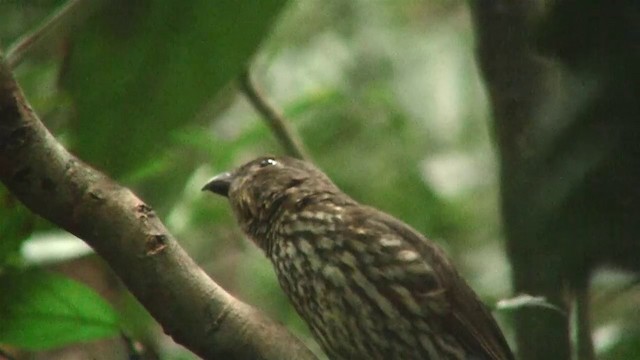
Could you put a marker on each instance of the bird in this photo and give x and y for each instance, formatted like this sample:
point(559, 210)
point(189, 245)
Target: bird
point(367, 285)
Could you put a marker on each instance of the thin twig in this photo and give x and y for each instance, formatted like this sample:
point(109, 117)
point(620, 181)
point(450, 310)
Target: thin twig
point(17, 51)
point(585, 349)
point(274, 118)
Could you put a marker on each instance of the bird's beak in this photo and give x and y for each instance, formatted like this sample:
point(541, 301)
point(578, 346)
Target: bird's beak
point(219, 184)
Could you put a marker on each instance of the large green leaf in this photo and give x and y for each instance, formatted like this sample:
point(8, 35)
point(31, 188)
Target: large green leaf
point(40, 310)
point(139, 70)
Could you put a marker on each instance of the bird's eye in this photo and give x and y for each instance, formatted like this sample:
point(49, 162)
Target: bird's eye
point(267, 162)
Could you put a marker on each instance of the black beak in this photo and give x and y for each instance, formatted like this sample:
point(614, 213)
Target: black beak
point(219, 184)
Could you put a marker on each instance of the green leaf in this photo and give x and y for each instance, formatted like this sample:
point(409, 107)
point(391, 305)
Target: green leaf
point(140, 70)
point(41, 310)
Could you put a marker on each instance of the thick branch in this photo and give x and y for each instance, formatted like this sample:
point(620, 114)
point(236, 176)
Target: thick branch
point(285, 135)
point(520, 84)
point(122, 229)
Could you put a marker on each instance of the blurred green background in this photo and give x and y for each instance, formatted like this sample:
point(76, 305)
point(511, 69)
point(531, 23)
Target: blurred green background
point(385, 95)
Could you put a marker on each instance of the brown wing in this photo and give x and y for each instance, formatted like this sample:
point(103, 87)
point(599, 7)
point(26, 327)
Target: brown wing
point(468, 319)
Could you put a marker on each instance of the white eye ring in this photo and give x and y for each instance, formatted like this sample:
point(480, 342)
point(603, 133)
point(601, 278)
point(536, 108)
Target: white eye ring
point(267, 162)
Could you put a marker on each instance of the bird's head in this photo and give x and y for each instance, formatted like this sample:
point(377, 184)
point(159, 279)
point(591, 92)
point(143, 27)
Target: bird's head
point(260, 188)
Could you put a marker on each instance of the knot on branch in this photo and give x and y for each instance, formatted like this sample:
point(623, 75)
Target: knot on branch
point(155, 244)
point(145, 211)
point(12, 139)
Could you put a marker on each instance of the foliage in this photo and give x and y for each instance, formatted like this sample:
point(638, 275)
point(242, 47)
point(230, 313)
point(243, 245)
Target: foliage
point(42, 310)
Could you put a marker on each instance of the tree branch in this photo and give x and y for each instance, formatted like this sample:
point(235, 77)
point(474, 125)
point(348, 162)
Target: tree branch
point(520, 83)
point(287, 137)
point(124, 231)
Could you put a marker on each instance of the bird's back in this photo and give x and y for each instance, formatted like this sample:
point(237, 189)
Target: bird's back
point(371, 287)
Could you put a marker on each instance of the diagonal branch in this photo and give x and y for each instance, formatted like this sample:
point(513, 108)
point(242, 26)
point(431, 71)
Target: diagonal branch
point(124, 231)
point(283, 132)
